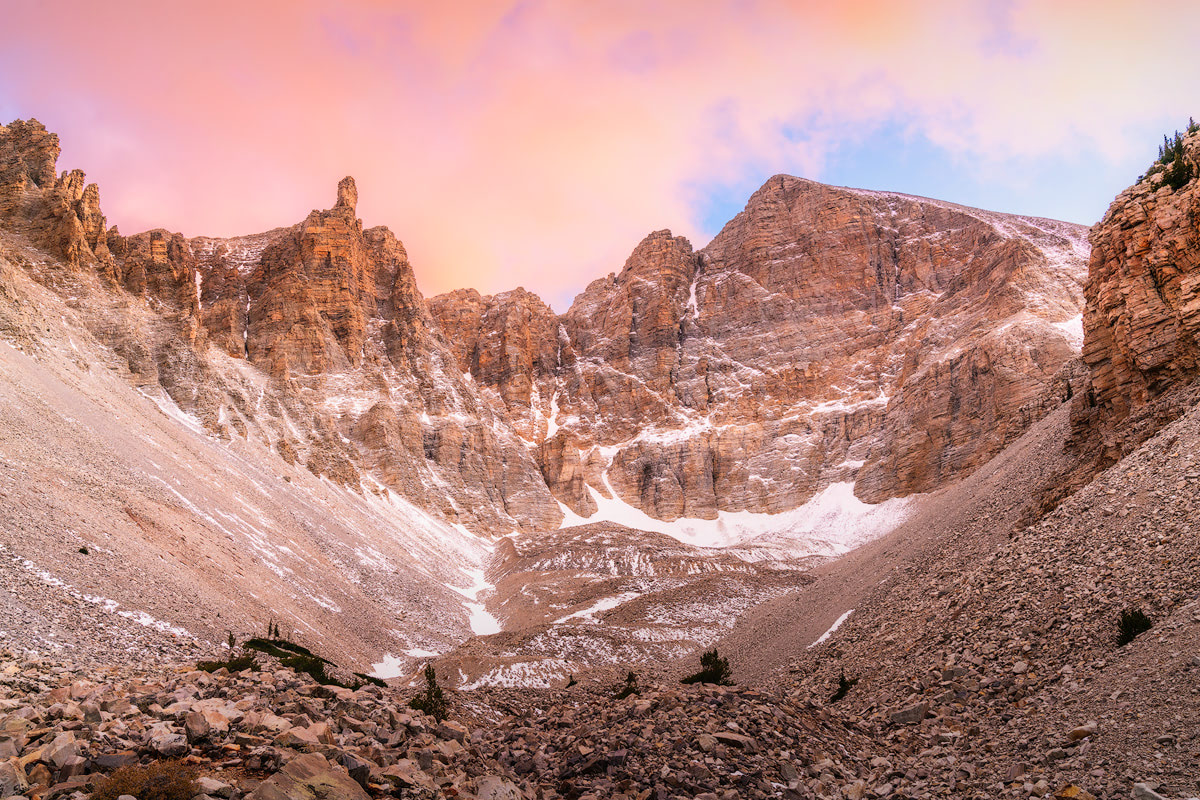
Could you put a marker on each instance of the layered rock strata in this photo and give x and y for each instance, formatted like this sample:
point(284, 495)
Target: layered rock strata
point(825, 334)
point(353, 378)
point(62, 212)
point(1142, 318)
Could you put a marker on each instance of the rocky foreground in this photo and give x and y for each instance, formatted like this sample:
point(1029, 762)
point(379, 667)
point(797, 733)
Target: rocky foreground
point(275, 734)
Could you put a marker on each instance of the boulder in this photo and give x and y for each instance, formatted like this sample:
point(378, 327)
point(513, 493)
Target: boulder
point(310, 777)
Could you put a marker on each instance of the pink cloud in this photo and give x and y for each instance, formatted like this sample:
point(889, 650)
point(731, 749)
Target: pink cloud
point(535, 143)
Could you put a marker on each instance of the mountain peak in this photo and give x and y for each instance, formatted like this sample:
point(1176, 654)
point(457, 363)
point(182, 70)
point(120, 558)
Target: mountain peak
point(347, 194)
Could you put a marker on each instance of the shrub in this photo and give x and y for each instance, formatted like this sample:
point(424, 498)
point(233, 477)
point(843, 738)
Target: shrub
point(844, 687)
point(1133, 622)
point(233, 664)
point(371, 679)
point(630, 687)
point(1176, 171)
point(280, 648)
point(161, 780)
point(301, 659)
point(432, 701)
point(713, 669)
point(312, 666)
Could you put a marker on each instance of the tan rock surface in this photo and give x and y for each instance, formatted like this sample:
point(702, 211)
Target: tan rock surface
point(60, 212)
point(824, 335)
point(359, 383)
point(1142, 319)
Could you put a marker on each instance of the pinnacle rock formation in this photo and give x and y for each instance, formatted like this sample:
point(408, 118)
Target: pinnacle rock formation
point(62, 212)
point(362, 384)
point(825, 335)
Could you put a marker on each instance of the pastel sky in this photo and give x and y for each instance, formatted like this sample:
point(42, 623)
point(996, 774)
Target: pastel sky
point(535, 143)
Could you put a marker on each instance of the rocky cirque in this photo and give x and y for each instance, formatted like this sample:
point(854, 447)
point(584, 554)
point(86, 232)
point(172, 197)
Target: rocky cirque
point(828, 341)
point(824, 335)
point(202, 433)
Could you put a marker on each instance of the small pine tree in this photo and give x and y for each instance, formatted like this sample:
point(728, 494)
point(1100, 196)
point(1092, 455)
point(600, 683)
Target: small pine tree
point(630, 687)
point(1132, 623)
point(432, 701)
point(844, 687)
point(1176, 171)
point(713, 669)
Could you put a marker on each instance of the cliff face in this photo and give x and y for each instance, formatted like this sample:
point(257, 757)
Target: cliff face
point(353, 380)
point(60, 212)
point(825, 335)
point(332, 314)
point(1142, 318)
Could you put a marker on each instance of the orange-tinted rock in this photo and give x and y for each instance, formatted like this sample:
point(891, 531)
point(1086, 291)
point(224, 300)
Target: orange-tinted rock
point(28, 159)
point(1142, 319)
point(61, 213)
point(331, 312)
point(509, 341)
point(824, 335)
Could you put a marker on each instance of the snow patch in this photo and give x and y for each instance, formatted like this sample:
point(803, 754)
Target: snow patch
point(389, 667)
point(539, 674)
point(825, 636)
point(1073, 328)
point(482, 621)
point(552, 420)
point(417, 652)
point(168, 406)
point(604, 604)
point(832, 522)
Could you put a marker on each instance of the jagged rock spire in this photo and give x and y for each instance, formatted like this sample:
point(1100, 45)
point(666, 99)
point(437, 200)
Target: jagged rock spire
point(347, 194)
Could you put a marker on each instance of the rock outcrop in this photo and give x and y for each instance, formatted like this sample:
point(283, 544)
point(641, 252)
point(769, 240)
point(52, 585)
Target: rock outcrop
point(1142, 319)
point(362, 385)
point(60, 212)
point(824, 335)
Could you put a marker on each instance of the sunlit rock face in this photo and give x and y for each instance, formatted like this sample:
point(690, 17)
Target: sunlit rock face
point(60, 212)
point(1142, 319)
point(824, 335)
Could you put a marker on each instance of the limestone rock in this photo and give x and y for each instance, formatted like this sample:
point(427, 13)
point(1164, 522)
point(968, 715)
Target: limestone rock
point(493, 787)
point(62, 212)
point(310, 777)
point(911, 715)
point(1083, 731)
point(824, 335)
point(12, 779)
point(1142, 319)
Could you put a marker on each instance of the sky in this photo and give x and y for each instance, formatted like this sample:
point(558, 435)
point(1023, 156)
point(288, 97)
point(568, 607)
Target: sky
point(511, 143)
